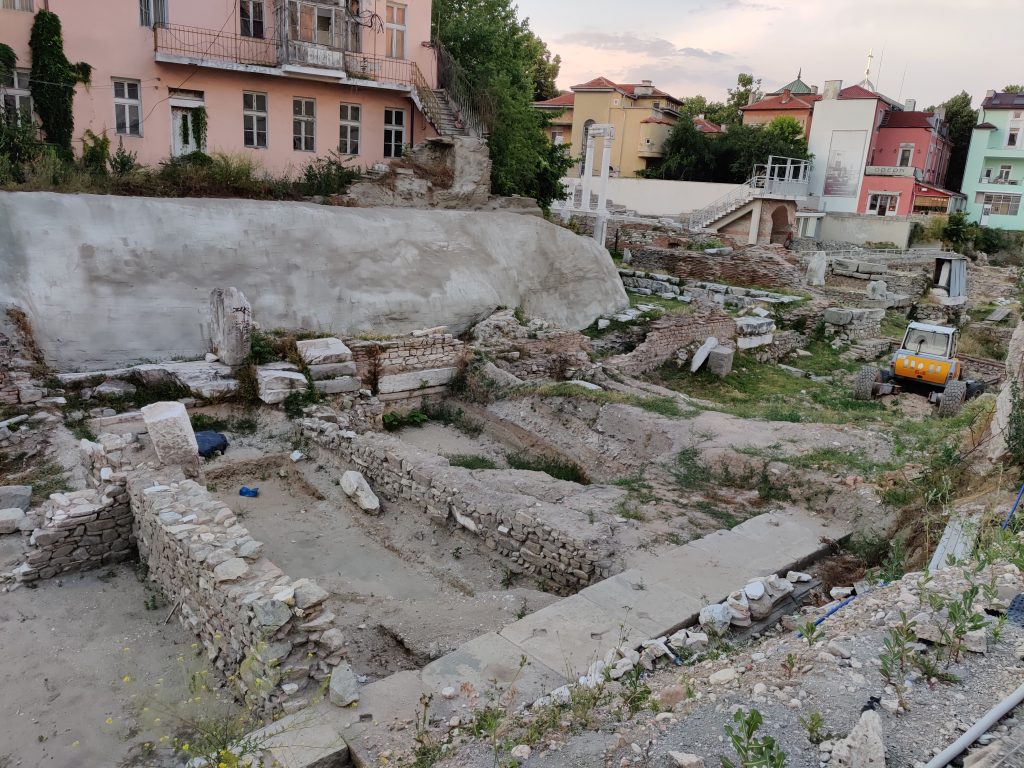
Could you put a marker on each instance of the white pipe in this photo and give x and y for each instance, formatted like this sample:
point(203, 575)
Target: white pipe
point(994, 715)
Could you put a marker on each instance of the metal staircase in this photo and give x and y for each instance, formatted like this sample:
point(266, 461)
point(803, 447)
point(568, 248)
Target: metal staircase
point(783, 178)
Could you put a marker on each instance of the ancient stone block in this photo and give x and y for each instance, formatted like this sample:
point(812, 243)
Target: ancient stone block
point(332, 370)
point(276, 385)
point(324, 351)
point(15, 496)
point(339, 386)
point(230, 325)
point(9, 519)
point(171, 432)
point(720, 360)
point(407, 382)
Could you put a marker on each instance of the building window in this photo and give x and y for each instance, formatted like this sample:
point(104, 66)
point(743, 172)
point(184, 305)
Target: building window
point(883, 204)
point(999, 205)
point(558, 138)
point(16, 5)
point(1004, 174)
point(304, 125)
point(394, 132)
point(348, 144)
point(1013, 137)
point(250, 14)
point(254, 120)
point(906, 155)
point(128, 107)
point(153, 13)
point(17, 101)
point(395, 25)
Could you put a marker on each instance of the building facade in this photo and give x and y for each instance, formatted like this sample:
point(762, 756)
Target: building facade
point(994, 174)
point(282, 81)
point(878, 157)
point(795, 99)
point(641, 115)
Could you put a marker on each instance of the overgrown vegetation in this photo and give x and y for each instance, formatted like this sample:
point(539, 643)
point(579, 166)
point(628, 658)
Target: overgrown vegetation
point(471, 461)
point(394, 421)
point(245, 424)
point(52, 82)
point(752, 750)
point(557, 468)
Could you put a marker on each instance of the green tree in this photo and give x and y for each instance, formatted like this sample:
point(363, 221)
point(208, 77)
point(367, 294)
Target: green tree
point(961, 119)
point(747, 90)
point(545, 70)
point(687, 155)
point(53, 80)
point(500, 54)
point(715, 111)
point(745, 146)
point(8, 60)
point(1013, 88)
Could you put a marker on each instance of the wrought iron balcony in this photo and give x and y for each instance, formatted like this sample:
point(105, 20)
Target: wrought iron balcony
point(211, 47)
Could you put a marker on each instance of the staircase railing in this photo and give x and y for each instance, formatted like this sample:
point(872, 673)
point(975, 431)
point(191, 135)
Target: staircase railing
point(473, 107)
point(426, 99)
point(723, 205)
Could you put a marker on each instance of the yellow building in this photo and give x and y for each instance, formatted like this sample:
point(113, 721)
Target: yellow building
point(642, 116)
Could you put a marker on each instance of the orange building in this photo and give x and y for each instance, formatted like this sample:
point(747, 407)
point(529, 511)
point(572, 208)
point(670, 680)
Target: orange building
point(795, 99)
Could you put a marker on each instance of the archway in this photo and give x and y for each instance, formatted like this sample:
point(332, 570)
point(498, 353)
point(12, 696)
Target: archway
point(583, 146)
point(781, 228)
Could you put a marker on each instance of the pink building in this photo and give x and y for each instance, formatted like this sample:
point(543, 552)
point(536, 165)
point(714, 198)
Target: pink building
point(282, 80)
point(907, 163)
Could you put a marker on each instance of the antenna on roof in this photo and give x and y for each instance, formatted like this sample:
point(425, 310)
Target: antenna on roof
point(899, 97)
point(800, 73)
point(878, 72)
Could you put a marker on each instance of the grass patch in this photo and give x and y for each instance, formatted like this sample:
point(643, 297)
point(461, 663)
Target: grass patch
point(239, 425)
point(835, 458)
point(45, 479)
point(894, 325)
point(981, 341)
point(453, 416)
point(394, 421)
point(471, 461)
point(662, 405)
point(556, 468)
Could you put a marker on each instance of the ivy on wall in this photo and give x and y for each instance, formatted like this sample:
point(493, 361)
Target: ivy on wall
point(7, 60)
point(52, 81)
point(199, 127)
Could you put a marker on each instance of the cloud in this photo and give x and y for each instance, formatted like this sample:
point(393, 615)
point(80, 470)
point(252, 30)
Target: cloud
point(733, 5)
point(654, 47)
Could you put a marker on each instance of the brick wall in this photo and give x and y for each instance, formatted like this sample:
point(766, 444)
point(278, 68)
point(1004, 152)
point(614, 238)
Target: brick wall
point(396, 362)
point(668, 334)
point(761, 266)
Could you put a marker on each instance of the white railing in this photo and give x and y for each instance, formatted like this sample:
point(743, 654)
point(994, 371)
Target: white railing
point(997, 180)
point(782, 177)
point(723, 205)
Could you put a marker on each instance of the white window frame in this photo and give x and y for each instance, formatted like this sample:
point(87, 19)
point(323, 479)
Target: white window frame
point(395, 39)
point(303, 124)
point(993, 199)
point(124, 103)
point(1003, 176)
point(394, 132)
point(15, 93)
point(892, 202)
point(153, 13)
point(251, 116)
point(252, 9)
point(1013, 137)
point(910, 157)
point(17, 5)
point(350, 129)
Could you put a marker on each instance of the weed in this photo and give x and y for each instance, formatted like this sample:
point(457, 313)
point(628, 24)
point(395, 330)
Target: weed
point(814, 723)
point(557, 468)
point(429, 749)
point(811, 632)
point(471, 461)
point(636, 694)
point(789, 665)
point(508, 578)
point(445, 413)
point(394, 421)
point(457, 553)
point(931, 671)
point(961, 618)
point(753, 752)
point(296, 401)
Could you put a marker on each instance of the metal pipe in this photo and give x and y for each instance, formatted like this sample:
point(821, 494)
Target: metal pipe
point(1009, 517)
point(984, 724)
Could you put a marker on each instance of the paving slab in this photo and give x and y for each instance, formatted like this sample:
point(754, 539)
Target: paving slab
point(758, 556)
point(698, 572)
point(310, 738)
point(649, 607)
point(487, 662)
point(385, 706)
point(571, 634)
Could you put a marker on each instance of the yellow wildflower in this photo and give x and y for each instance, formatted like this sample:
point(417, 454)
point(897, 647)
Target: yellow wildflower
point(110, 721)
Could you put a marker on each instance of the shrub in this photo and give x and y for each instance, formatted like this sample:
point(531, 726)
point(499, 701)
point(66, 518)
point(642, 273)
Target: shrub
point(557, 468)
point(395, 421)
point(123, 162)
point(471, 461)
point(327, 176)
point(95, 152)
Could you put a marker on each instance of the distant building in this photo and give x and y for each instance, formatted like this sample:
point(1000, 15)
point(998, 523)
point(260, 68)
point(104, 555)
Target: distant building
point(795, 99)
point(995, 164)
point(642, 116)
point(873, 155)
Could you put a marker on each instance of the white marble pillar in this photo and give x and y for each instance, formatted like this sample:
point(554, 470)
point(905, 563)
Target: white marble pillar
point(606, 154)
point(588, 173)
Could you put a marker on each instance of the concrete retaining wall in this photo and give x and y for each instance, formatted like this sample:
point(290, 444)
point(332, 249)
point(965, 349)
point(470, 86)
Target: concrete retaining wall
point(857, 229)
point(136, 273)
point(656, 197)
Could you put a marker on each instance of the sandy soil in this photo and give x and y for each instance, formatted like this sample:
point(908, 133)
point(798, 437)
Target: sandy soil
point(66, 648)
point(449, 441)
point(404, 592)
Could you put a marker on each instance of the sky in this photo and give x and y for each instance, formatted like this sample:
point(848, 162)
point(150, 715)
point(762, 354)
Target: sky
point(926, 50)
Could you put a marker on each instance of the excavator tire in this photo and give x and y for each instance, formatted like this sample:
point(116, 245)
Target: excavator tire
point(953, 399)
point(864, 384)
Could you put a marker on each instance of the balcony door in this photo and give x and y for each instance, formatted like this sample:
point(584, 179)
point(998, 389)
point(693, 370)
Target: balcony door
point(183, 132)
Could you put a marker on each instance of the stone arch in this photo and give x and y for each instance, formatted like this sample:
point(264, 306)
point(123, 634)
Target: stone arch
point(781, 225)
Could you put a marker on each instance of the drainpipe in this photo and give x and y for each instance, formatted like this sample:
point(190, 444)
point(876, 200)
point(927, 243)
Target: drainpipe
point(984, 724)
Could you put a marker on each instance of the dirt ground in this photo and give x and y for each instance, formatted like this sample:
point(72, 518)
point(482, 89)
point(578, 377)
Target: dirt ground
point(448, 441)
point(67, 647)
point(404, 592)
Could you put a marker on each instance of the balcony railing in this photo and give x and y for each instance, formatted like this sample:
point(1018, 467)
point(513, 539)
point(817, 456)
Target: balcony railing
point(998, 180)
point(212, 45)
point(209, 45)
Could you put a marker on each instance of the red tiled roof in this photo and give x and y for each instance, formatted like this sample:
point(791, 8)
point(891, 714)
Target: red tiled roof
point(857, 92)
point(561, 100)
point(776, 102)
point(626, 89)
point(706, 126)
point(894, 119)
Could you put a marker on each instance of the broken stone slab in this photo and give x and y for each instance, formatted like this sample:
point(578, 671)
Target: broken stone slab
point(19, 496)
point(171, 432)
point(29, 394)
point(754, 326)
point(339, 386)
point(720, 360)
point(10, 520)
point(332, 370)
point(817, 266)
point(877, 290)
point(114, 388)
point(344, 686)
point(837, 316)
point(324, 351)
point(585, 385)
point(407, 382)
point(230, 326)
point(753, 342)
point(864, 747)
point(275, 385)
point(355, 487)
point(499, 376)
point(308, 593)
point(870, 268)
point(701, 355)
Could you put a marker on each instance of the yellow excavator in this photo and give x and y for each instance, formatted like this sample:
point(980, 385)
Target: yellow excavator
point(926, 361)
